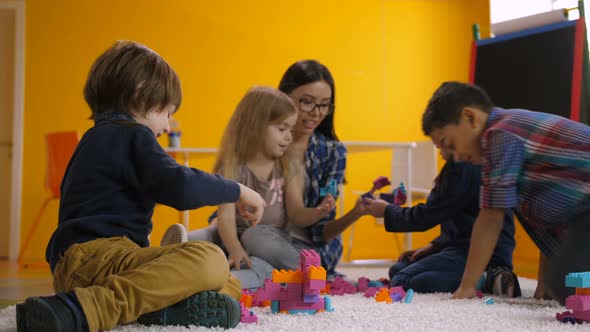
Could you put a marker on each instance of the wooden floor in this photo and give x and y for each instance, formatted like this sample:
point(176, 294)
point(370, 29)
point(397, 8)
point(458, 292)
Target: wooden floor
point(17, 283)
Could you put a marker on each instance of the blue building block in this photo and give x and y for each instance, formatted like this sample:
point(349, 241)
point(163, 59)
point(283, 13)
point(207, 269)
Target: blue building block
point(409, 296)
point(375, 283)
point(578, 279)
point(302, 311)
point(328, 304)
point(481, 281)
point(488, 300)
point(274, 307)
point(331, 188)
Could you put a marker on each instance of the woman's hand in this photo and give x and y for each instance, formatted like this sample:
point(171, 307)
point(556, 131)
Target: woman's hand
point(359, 209)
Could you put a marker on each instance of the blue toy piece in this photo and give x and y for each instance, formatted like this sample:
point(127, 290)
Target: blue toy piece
point(301, 311)
point(481, 281)
point(578, 279)
point(331, 188)
point(375, 283)
point(409, 296)
point(488, 300)
point(274, 307)
point(401, 188)
point(328, 304)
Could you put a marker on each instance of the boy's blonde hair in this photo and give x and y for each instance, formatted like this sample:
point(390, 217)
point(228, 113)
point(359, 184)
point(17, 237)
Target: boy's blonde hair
point(244, 134)
point(131, 77)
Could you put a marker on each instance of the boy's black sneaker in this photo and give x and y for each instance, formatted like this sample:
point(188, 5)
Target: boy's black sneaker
point(209, 308)
point(58, 313)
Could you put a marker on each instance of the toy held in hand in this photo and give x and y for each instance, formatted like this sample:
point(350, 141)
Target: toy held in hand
point(331, 188)
point(398, 196)
point(379, 183)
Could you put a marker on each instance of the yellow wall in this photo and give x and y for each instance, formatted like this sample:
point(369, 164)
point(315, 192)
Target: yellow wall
point(387, 58)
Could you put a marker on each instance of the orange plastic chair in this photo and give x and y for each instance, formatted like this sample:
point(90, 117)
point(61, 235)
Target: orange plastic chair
point(60, 147)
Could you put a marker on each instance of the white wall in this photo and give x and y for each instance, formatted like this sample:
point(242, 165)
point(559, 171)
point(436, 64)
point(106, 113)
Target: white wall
point(504, 10)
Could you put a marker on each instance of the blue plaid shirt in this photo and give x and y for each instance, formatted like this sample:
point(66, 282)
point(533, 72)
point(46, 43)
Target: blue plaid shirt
point(325, 159)
point(538, 164)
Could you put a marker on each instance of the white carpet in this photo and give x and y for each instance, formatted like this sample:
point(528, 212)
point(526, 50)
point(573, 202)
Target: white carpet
point(433, 312)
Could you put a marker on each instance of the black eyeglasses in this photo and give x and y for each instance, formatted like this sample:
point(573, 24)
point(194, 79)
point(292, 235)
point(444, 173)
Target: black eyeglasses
point(308, 106)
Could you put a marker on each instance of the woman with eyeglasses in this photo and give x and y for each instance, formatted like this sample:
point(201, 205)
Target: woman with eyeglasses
point(317, 148)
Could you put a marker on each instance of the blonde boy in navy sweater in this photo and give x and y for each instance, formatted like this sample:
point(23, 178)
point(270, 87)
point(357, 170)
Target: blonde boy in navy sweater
point(103, 269)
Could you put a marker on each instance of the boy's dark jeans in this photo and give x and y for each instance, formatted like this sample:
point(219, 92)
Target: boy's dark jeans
point(439, 272)
point(574, 255)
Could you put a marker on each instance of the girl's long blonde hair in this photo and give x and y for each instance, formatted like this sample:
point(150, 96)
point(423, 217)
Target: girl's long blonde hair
point(246, 130)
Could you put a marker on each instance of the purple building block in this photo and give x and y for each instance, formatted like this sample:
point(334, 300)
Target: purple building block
point(396, 297)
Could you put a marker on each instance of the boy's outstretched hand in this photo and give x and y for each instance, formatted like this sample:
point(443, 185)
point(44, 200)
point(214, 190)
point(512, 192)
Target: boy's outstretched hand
point(416, 254)
point(250, 205)
point(375, 207)
point(464, 293)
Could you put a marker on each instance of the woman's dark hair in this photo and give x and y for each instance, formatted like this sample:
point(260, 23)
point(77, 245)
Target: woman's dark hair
point(308, 71)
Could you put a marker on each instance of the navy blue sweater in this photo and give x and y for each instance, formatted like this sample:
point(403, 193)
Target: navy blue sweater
point(455, 210)
point(116, 175)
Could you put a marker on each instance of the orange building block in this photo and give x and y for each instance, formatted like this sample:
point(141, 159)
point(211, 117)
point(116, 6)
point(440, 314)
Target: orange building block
point(383, 295)
point(246, 300)
point(582, 291)
point(317, 273)
point(287, 277)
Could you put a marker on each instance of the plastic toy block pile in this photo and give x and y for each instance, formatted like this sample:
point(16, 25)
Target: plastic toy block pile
point(579, 303)
point(300, 291)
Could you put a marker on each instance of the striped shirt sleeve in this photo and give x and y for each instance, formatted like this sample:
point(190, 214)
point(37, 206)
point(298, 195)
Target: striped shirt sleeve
point(504, 160)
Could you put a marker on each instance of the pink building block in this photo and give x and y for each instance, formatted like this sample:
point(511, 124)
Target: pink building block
point(371, 291)
point(363, 284)
point(247, 316)
point(308, 258)
point(578, 302)
point(297, 291)
point(341, 284)
point(397, 290)
point(337, 291)
point(379, 183)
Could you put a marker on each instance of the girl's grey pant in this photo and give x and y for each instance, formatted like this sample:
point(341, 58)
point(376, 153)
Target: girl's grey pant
point(269, 248)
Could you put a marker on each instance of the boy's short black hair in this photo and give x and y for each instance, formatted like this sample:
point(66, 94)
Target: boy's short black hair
point(447, 103)
point(131, 77)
